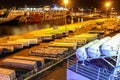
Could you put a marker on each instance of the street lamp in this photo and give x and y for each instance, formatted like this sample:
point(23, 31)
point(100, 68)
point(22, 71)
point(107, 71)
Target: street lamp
point(65, 2)
point(107, 5)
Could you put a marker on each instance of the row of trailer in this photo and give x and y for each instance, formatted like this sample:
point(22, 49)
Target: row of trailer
point(54, 51)
point(75, 41)
point(106, 28)
point(49, 52)
point(8, 72)
point(9, 65)
point(11, 46)
point(33, 62)
point(14, 43)
point(66, 46)
point(37, 58)
point(107, 46)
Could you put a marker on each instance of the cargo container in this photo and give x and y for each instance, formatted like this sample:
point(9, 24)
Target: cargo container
point(58, 35)
point(38, 38)
point(65, 45)
point(45, 37)
point(7, 48)
point(49, 52)
point(31, 40)
point(27, 42)
point(52, 48)
point(16, 63)
point(79, 41)
point(46, 54)
point(7, 74)
point(16, 45)
point(19, 42)
point(73, 40)
point(89, 37)
point(39, 60)
point(92, 35)
point(94, 50)
point(81, 52)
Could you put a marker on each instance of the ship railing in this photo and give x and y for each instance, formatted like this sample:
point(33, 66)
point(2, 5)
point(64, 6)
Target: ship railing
point(115, 74)
point(89, 69)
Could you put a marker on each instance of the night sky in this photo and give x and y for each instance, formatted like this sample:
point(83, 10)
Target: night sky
point(72, 3)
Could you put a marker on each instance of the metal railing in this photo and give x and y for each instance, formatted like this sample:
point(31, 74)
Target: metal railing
point(115, 75)
point(88, 70)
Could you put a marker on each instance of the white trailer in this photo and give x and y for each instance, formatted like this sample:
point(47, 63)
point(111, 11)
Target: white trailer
point(79, 41)
point(39, 60)
point(49, 52)
point(89, 37)
point(16, 63)
point(24, 43)
point(94, 50)
point(7, 74)
point(44, 37)
point(16, 45)
point(65, 45)
point(7, 48)
point(31, 40)
point(27, 42)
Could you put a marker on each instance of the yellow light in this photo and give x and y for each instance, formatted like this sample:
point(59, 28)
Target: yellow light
point(108, 4)
point(65, 1)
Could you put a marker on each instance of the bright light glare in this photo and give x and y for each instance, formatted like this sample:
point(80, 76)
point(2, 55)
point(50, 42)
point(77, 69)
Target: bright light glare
point(108, 4)
point(65, 1)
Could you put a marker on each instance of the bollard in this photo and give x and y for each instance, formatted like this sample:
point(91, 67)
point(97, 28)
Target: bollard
point(78, 19)
point(81, 19)
point(72, 20)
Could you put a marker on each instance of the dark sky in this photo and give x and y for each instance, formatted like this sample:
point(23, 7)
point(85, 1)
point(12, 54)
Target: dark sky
point(72, 3)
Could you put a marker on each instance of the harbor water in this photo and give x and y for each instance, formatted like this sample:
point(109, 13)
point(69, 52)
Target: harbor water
point(13, 29)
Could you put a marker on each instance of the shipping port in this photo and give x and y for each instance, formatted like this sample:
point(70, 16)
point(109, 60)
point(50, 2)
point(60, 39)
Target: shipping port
point(59, 43)
point(32, 54)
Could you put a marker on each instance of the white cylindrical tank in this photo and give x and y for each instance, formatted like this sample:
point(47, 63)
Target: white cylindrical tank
point(116, 39)
point(94, 50)
point(111, 47)
point(81, 52)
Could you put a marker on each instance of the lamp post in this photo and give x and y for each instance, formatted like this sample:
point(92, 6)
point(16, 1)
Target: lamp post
point(65, 2)
point(107, 5)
